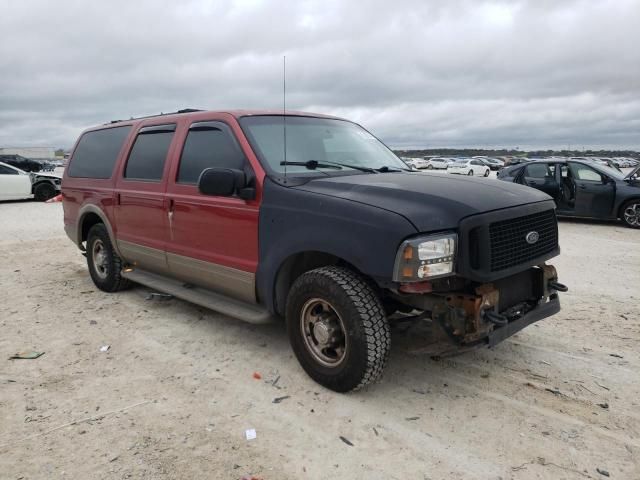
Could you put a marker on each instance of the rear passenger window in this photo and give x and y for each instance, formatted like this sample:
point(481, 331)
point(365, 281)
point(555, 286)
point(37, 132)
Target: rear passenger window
point(537, 170)
point(149, 152)
point(97, 151)
point(208, 144)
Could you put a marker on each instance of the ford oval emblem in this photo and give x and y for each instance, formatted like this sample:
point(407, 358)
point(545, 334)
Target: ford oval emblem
point(532, 237)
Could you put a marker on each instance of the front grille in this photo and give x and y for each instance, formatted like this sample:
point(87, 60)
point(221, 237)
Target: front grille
point(509, 246)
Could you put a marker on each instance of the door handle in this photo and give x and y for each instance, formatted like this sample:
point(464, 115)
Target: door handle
point(582, 187)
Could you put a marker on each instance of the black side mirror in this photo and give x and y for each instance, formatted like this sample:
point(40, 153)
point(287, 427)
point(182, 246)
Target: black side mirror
point(222, 182)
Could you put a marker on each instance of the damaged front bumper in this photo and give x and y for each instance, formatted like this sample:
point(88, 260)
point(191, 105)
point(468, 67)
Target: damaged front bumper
point(486, 314)
point(540, 311)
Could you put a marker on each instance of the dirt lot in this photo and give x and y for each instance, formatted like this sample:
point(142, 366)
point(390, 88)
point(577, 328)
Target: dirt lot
point(175, 393)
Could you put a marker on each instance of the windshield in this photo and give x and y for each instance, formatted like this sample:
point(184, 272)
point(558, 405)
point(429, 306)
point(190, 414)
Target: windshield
point(320, 139)
point(612, 172)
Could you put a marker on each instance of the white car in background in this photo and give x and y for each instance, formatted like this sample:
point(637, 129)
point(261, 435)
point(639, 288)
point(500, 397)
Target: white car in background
point(14, 183)
point(437, 163)
point(470, 166)
point(419, 163)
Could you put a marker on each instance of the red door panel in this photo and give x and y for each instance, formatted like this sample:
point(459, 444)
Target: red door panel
point(219, 230)
point(141, 215)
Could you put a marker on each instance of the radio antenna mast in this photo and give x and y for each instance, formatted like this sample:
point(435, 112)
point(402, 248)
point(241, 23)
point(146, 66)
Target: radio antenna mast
point(284, 112)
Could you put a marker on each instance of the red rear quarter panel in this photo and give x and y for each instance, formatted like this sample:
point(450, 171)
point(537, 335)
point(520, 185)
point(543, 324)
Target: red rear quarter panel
point(77, 192)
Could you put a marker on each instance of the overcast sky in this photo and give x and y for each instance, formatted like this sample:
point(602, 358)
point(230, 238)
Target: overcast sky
point(539, 73)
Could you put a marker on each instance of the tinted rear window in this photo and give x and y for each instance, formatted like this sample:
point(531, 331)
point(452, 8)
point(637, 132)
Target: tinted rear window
point(149, 152)
point(97, 152)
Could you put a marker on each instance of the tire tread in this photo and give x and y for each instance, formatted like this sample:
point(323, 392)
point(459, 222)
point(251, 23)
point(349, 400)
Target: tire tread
point(377, 333)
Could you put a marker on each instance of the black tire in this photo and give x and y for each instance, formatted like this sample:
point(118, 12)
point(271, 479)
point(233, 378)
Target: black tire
point(470, 173)
point(44, 191)
point(626, 213)
point(486, 172)
point(367, 336)
point(107, 274)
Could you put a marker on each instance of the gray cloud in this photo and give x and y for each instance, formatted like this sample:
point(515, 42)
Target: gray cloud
point(536, 73)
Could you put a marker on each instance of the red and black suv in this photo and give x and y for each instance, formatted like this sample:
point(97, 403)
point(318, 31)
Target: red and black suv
point(309, 218)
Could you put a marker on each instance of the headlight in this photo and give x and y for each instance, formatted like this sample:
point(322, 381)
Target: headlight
point(424, 258)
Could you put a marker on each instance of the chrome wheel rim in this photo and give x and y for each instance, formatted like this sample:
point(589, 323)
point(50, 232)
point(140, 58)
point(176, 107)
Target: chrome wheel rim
point(632, 214)
point(100, 260)
point(323, 332)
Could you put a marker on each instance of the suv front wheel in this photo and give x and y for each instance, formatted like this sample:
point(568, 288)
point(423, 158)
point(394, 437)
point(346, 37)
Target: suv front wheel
point(337, 328)
point(105, 266)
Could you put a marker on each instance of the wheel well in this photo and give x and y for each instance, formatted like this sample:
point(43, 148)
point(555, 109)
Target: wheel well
point(40, 182)
point(624, 203)
point(89, 220)
point(296, 265)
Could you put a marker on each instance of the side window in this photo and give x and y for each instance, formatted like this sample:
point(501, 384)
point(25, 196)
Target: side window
point(537, 170)
point(149, 152)
point(208, 144)
point(583, 172)
point(7, 171)
point(97, 151)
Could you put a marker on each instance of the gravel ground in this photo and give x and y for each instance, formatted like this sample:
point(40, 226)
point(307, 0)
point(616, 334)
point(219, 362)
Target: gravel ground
point(175, 392)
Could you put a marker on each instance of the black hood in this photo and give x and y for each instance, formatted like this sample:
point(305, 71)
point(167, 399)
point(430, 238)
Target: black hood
point(429, 201)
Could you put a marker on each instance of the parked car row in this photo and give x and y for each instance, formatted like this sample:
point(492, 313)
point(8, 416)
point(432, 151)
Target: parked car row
point(29, 164)
point(16, 184)
point(458, 165)
point(615, 162)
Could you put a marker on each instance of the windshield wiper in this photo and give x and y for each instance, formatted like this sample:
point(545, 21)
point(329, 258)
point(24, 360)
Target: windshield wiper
point(386, 169)
point(355, 167)
point(312, 165)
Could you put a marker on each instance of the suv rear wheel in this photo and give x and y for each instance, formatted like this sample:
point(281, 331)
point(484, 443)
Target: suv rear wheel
point(337, 328)
point(105, 266)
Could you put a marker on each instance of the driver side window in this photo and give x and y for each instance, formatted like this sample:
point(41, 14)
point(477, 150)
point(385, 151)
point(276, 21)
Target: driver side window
point(208, 144)
point(583, 172)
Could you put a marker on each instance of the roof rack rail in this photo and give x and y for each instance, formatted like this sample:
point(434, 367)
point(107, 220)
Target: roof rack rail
point(183, 110)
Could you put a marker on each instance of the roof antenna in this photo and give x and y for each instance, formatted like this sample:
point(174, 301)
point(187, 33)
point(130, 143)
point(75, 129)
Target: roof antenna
point(284, 112)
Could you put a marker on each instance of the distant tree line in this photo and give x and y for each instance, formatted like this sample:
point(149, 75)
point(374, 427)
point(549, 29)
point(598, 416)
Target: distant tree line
point(471, 152)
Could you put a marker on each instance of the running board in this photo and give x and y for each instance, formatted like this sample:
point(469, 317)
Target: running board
point(247, 312)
